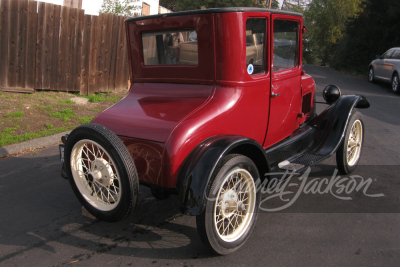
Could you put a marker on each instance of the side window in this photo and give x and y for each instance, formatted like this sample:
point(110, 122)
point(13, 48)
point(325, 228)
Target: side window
point(396, 54)
point(255, 45)
point(170, 48)
point(286, 44)
point(388, 54)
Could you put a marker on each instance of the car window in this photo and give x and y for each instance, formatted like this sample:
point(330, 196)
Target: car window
point(255, 45)
point(170, 48)
point(388, 54)
point(396, 54)
point(286, 43)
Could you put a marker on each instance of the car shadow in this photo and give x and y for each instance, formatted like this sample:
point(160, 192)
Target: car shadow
point(41, 214)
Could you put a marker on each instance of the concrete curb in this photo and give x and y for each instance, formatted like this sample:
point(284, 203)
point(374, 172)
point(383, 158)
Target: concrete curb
point(31, 144)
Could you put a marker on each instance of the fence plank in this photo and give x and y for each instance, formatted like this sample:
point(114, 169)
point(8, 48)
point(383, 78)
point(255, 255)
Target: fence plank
point(64, 49)
point(22, 41)
point(103, 54)
point(31, 45)
point(113, 53)
point(12, 45)
point(78, 51)
point(39, 43)
point(86, 54)
point(47, 45)
point(55, 49)
point(93, 64)
point(71, 40)
point(120, 55)
point(100, 53)
point(4, 37)
point(126, 67)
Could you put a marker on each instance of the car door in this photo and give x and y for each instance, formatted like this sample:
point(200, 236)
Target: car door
point(285, 95)
point(383, 64)
point(388, 67)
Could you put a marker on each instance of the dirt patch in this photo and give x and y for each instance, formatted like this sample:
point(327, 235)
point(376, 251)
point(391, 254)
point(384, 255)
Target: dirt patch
point(27, 116)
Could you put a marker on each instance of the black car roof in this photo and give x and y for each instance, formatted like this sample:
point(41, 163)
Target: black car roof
point(216, 10)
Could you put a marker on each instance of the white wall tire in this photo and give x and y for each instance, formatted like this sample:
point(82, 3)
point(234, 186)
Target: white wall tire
point(232, 206)
point(101, 172)
point(349, 151)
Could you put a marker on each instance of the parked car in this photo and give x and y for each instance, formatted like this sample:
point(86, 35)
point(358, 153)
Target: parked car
point(386, 68)
point(211, 128)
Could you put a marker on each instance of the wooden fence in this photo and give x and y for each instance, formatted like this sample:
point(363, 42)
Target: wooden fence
point(51, 47)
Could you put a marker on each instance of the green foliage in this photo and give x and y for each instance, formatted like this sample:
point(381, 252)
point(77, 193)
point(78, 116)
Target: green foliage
point(48, 108)
point(118, 7)
point(291, 7)
point(275, 4)
point(67, 101)
point(326, 22)
point(64, 114)
point(85, 120)
point(371, 33)
point(96, 98)
point(15, 114)
point(170, 4)
point(49, 125)
point(7, 137)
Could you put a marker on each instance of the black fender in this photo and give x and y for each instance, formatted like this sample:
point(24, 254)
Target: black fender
point(199, 167)
point(332, 123)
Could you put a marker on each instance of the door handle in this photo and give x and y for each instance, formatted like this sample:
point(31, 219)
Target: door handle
point(274, 95)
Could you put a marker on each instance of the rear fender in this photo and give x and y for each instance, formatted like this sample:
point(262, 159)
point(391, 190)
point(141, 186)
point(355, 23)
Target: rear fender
point(199, 168)
point(332, 123)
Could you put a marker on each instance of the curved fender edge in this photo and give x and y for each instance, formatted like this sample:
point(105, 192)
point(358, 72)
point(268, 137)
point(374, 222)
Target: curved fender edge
point(199, 167)
point(332, 123)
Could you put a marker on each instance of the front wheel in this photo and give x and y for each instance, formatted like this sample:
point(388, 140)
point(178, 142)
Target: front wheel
point(349, 151)
point(101, 172)
point(395, 83)
point(232, 205)
point(371, 77)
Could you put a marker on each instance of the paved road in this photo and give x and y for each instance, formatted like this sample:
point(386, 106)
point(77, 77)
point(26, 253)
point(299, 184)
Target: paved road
point(41, 222)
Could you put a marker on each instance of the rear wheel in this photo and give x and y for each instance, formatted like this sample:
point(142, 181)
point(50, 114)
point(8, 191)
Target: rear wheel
point(232, 206)
point(349, 151)
point(395, 83)
point(101, 172)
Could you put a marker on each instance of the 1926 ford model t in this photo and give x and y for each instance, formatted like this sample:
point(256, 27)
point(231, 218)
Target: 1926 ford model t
point(218, 100)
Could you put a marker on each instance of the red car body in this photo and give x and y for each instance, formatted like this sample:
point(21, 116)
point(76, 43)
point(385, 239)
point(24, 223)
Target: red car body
point(171, 109)
point(218, 102)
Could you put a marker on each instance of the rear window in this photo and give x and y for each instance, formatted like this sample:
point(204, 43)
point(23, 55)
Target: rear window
point(170, 48)
point(255, 45)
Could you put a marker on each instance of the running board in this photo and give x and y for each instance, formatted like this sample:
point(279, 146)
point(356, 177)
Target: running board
point(299, 164)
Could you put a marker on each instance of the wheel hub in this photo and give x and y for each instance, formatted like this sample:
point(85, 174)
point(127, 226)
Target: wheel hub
point(230, 203)
point(101, 172)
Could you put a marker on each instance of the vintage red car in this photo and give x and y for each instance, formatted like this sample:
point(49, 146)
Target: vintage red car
point(210, 126)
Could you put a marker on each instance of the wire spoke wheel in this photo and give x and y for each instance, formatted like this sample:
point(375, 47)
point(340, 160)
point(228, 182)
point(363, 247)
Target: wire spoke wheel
point(232, 205)
point(349, 151)
point(235, 205)
point(95, 175)
point(101, 172)
point(354, 144)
